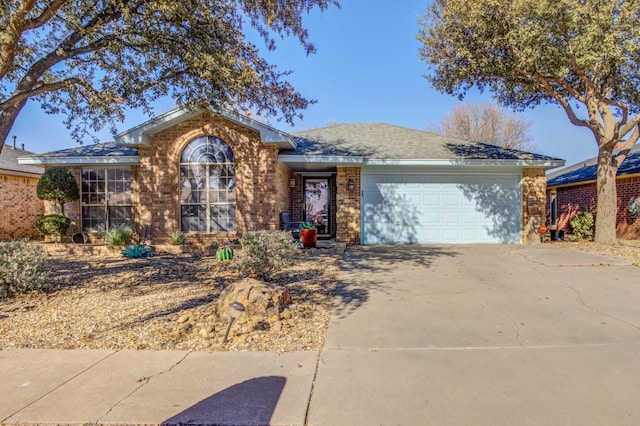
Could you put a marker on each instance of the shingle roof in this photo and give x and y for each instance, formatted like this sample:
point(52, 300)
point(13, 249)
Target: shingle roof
point(386, 141)
point(9, 163)
point(100, 153)
point(108, 149)
point(586, 171)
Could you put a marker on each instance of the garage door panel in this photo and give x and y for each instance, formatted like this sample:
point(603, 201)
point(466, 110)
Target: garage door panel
point(440, 208)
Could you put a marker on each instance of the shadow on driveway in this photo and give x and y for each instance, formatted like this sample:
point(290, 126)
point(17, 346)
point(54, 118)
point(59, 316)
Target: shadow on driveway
point(361, 266)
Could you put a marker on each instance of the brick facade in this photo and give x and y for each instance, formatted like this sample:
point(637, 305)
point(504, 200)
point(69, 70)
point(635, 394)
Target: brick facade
point(583, 198)
point(262, 189)
point(21, 207)
point(348, 205)
point(534, 183)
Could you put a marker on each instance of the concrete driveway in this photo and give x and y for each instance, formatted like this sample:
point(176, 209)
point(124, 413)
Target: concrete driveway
point(481, 335)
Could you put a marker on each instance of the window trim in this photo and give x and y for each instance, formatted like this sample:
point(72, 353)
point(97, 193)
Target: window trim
point(104, 206)
point(228, 165)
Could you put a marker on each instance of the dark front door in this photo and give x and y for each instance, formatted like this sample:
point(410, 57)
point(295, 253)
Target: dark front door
point(317, 202)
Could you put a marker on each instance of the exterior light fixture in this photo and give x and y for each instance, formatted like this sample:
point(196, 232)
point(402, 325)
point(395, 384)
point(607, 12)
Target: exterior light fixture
point(235, 309)
point(351, 185)
point(292, 182)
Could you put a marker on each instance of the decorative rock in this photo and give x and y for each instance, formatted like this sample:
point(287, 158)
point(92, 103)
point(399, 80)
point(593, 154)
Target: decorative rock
point(263, 302)
point(203, 333)
point(183, 319)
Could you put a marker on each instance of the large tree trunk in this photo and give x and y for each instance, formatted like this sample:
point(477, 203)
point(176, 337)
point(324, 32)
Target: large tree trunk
point(607, 199)
point(7, 118)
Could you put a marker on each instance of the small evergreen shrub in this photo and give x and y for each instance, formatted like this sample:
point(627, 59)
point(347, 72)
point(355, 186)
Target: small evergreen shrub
point(58, 184)
point(137, 251)
point(120, 235)
point(23, 267)
point(265, 253)
point(583, 225)
point(177, 238)
point(52, 224)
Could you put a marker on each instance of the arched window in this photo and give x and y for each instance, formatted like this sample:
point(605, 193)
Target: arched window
point(207, 186)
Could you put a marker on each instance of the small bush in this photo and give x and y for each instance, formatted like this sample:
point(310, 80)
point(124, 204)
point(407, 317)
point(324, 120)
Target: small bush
point(582, 225)
point(177, 238)
point(137, 251)
point(23, 267)
point(121, 235)
point(265, 253)
point(52, 224)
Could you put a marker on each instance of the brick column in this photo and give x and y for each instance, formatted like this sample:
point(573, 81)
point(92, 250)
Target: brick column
point(534, 185)
point(348, 205)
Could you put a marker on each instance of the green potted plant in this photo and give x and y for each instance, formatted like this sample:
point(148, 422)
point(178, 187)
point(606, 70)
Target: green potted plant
point(308, 236)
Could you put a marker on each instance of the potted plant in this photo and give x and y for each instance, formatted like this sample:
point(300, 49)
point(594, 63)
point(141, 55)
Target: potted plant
point(308, 235)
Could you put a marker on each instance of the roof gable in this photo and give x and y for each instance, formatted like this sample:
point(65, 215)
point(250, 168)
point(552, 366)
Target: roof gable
point(141, 134)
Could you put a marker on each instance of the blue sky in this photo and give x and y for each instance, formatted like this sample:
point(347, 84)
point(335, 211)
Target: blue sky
point(366, 70)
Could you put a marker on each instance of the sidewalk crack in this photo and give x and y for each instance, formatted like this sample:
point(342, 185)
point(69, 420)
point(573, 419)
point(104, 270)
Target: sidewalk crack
point(596, 310)
point(143, 381)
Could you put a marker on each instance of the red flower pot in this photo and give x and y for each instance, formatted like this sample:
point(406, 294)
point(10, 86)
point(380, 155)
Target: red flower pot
point(308, 237)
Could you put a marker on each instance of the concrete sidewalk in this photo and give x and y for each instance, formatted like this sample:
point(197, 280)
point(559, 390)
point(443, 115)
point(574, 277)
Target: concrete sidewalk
point(154, 387)
point(449, 335)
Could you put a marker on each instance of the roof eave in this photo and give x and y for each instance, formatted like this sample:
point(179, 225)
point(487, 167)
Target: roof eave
point(20, 173)
point(80, 161)
point(464, 162)
point(338, 160)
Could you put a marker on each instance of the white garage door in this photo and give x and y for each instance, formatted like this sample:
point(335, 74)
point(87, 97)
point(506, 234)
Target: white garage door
point(441, 208)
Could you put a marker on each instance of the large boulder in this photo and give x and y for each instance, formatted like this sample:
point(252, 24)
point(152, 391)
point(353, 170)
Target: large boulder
point(263, 303)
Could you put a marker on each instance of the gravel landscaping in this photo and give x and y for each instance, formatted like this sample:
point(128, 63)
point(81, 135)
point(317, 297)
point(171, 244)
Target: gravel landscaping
point(165, 302)
point(168, 302)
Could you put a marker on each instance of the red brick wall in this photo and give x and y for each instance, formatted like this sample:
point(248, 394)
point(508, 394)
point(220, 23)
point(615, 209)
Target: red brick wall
point(627, 227)
point(581, 198)
point(20, 207)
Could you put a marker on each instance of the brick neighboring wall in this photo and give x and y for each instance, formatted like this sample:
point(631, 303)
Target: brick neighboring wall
point(20, 207)
point(583, 198)
point(348, 206)
point(261, 183)
point(534, 185)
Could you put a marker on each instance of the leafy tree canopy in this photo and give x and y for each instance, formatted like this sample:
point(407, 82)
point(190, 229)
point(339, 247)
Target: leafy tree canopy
point(573, 53)
point(92, 59)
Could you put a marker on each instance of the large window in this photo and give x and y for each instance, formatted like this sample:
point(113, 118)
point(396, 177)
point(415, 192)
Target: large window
point(207, 186)
point(106, 198)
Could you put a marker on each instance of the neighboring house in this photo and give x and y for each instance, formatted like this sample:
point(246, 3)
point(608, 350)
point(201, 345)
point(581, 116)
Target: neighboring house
point(19, 202)
point(215, 176)
point(572, 190)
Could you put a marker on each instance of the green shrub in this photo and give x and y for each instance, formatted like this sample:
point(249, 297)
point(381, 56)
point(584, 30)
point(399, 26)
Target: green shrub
point(120, 235)
point(137, 251)
point(58, 184)
point(177, 238)
point(53, 224)
point(23, 267)
point(583, 225)
point(265, 253)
